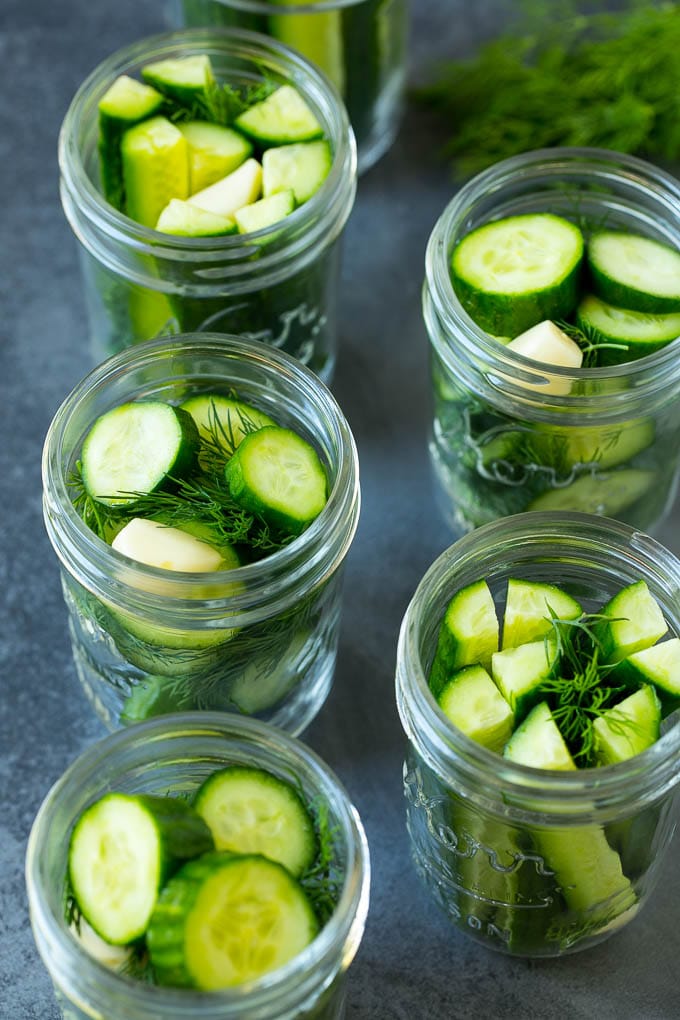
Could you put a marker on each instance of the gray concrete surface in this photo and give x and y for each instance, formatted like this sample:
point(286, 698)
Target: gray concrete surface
point(411, 964)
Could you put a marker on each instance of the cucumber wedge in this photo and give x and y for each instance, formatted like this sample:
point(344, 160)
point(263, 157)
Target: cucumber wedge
point(185, 220)
point(125, 103)
point(468, 634)
point(184, 79)
point(528, 609)
point(519, 673)
point(516, 272)
point(122, 850)
point(658, 665)
point(214, 152)
point(634, 621)
point(632, 334)
point(473, 703)
point(241, 187)
point(628, 728)
point(155, 168)
point(265, 213)
point(634, 272)
point(606, 494)
point(251, 811)
point(226, 920)
point(281, 118)
point(301, 168)
point(539, 744)
point(317, 35)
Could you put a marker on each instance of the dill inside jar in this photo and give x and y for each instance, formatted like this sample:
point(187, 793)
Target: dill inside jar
point(202, 509)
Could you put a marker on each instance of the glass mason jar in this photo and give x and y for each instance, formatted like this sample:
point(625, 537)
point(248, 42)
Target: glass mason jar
point(173, 756)
point(360, 45)
point(277, 285)
point(508, 435)
point(259, 639)
point(484, 830)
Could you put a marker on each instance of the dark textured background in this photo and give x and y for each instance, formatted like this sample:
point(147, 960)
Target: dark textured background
point(411, 964)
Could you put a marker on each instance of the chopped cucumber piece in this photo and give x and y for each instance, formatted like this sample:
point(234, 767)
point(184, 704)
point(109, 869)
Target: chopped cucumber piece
point(251, 811)
point(241, 187)
point(606, 495)
point(468, 634)
point(223, 921)
point(519, 673)
point(214, 152)
point(628, 728)
point(634, 622)
point(125, 103)
point(634, 334)
point(278, 474)
point(658, 665)
point(513, 273)
point(185, 220)
point(159, 545)
point(529, 606)
point(223, 421)
point(317, 35)
point(539, 743)
point(136, 448)
point(635, 272)
point(265, 213)
point(122, 850)
point(155, 168)
point(473, 703)
point(187, 80)
point(301, 168)
point(284, 116)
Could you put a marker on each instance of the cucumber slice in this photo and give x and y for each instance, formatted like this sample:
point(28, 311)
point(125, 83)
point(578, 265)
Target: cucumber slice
point(122, 850)
point(635, 334)
point(658, 665)
point(185, 220)
point(473, 703)
point(301, 168)
point(539, 743)
point(277, 474)
point(184, 79)
point(317, 35)
point(262, 684)
point(633, 622)
point(606, 447)
point(125, 103)
point(528, 609)
point(223, 421)
point(628, 728)
point(635, 272)
point(518, 271)
point(159, 545)
point(468, 634)
point(223, 921)
point(265, 213)
point(284, 116)
point(519, 673)
point(251, 811)
point(241, 187)
point(155, 168)
point(137, 448)
point(214, 152)
point(151, 697)
point(606, 495)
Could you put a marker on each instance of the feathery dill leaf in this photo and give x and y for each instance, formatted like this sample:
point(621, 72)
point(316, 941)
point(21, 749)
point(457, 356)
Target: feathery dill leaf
point(221, 103)
point(321, 881)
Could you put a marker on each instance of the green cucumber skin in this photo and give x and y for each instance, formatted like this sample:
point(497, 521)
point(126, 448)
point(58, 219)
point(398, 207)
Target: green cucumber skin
point(618, 294)
point(496, 315)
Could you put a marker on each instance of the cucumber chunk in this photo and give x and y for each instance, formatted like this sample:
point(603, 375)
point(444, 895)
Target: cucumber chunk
point(184, 79)
point(539, 743)
point(513, 273)
point(284, 116)
point(122, 850)
point(473, 703)
point(241, 187)
point(301, 168)
point(519, 673)
point(214, 152)
point(628, 728)
point(136, 448)
point(468, 634)
point(528, 608)
point(223, 921)
point(634, 272)
point(606, 495)
point(125, 103)
point(155, 168)
point(278, 474)
point(251, 811)
point(182, 219)
point(265, 213)
point(658, 665)
point(634, 622)
point(635, 334)
point(317, 35)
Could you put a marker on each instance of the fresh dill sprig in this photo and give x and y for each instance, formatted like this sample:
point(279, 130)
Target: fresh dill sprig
point(322, 881)
point(221, 103)
point(590, 341)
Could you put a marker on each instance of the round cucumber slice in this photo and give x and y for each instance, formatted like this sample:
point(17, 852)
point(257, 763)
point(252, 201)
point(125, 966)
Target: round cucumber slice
point(634, 334)
point(224, 421)
point(606, 495)
point(635, 272)
point(225, 920)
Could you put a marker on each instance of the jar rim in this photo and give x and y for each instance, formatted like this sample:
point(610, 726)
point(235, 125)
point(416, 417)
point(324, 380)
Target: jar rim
point(310, 557)
point(449, 751)
point(522, 379)
point(308, 229)
point(304, 7)
point(310, 971)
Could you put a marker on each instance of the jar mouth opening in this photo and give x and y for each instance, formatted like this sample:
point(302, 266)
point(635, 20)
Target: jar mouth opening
point(291, 9)
point(484, 773)
point(460, 334)
point(309, 972)
point(315, 222)
point(313, 555)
